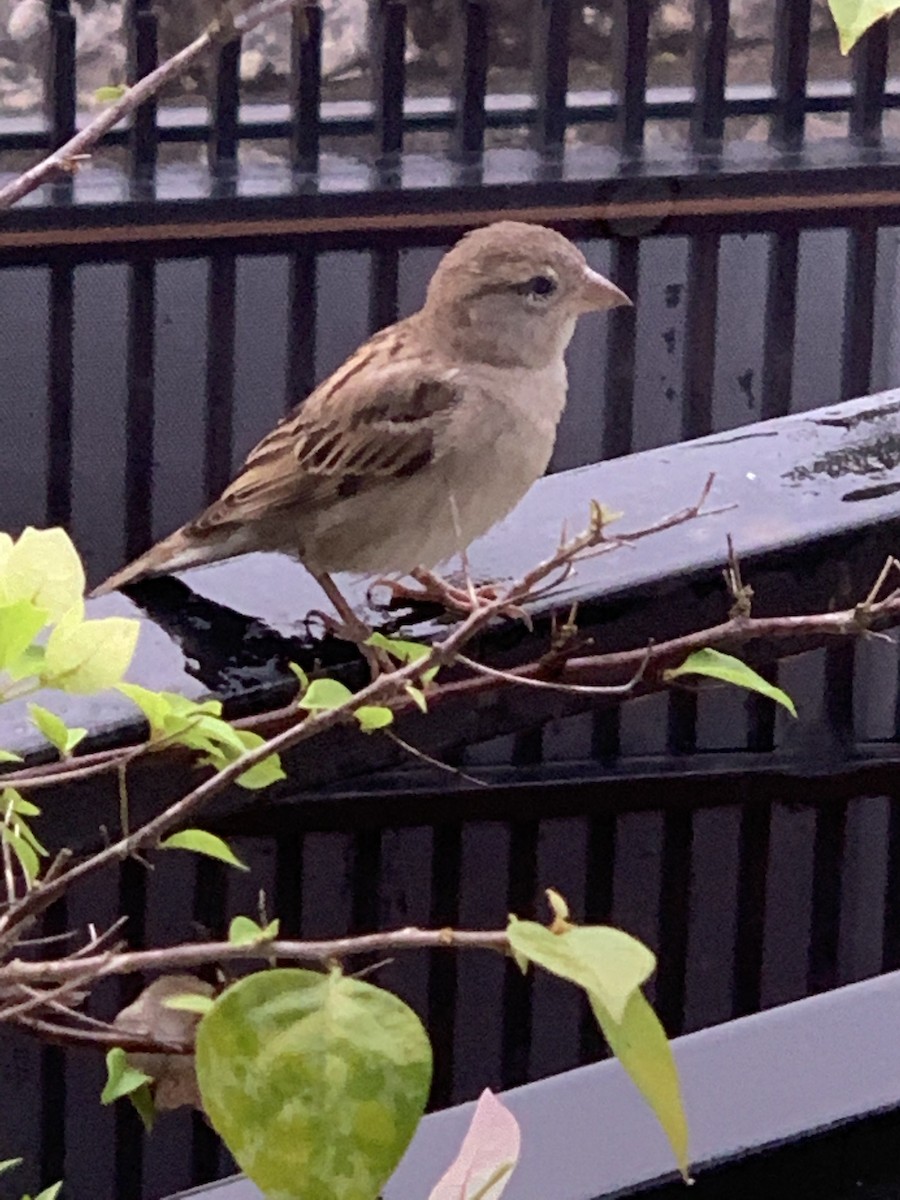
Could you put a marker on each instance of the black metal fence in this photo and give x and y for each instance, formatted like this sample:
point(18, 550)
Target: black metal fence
point(156, 317)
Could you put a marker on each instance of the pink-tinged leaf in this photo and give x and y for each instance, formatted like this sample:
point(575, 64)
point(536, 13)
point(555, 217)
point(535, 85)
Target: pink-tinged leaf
point(486, 1159)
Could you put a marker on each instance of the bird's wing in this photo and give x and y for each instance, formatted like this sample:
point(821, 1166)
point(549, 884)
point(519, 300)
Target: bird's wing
point(373, 420)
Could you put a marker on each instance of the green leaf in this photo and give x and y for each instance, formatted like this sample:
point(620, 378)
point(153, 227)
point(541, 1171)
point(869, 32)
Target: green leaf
point(142, 1099)
point(167, 712)
point(30, 663)
point(302, 677)
point(854, 17)
point(201, 842)
point(639, 1042)
point(10, 1164)
point(403, 651)
point(49, 1193)
point(316, 1083)
point(43, 566)
point(7, 756)
point(28, 859)
point(121, 1078)
point(20, 623)
point(607, 963)
point(110, 92)
point(88, 656)
point(373, 716)
point(190, 1002)
point(417, 696)
point(243, 931)
point(716, 665)
point(55, 729)
point(325, 694)
point(265, 773)
point(13, 801)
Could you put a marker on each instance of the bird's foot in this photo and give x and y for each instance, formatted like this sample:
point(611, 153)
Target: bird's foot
point(357, 632)
point(432, 589)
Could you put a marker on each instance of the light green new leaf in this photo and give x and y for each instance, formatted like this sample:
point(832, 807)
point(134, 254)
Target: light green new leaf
point(404, 651)
point(20, 622)
point(13, 801)
point(10, 1164)
point(267, 772)
point(121, 1078)
point(43, 566)
point(639, 1042)
point(49, 1193)
point(417, 696)
point(168, 712)
point(26, 855)
point(110, 92)
point(608, 963)
point(244, 931)
point(325, 694)
point(373, 716)
point(7, 756)
point(55, 729)
point(316, 1083)
point(201, 842)
point(302, 677)
point(87, 656)
point(725, 667)
point(190, 1002)
point(854, 17)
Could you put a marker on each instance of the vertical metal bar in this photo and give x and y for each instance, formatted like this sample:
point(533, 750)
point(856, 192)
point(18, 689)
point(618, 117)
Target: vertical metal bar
point(859, 309)
point(220, 372)
point(210, 898)
point(516, 1049)
point(140, 404)
point(53, 1078)
point(142, 28)
point(598, 899)
point(710, 70)
point(781, 323)
point(700, 335)
point(446, 873)
point(870, 66)
point(828, 860)
point(753, 857)
point(631, 32)
point(550, 56)
point(385, 288)
point(761, 715)
point(62, 74)
point(388, 55)
point(289, 883)
point(789, 72)
point(303, 301)
point(306, 85)
point(470, 59)
point(366, 881)
point(618, 416)
point(59, 394)
point(674, 917)
point(222, 148)
point(129, 1130)
point(890, 952)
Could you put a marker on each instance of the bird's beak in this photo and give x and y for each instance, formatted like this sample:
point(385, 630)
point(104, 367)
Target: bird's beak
point(597, 292)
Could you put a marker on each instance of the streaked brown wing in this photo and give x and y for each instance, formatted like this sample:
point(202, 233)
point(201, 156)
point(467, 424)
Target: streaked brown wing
point(352, 433)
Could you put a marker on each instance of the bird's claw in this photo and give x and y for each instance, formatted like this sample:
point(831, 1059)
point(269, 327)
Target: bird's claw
point(432, 589)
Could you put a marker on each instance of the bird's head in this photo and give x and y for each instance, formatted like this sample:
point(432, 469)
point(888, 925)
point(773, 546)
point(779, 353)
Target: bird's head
point(510, 294)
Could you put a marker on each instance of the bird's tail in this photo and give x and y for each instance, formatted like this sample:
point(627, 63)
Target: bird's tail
point(175, 553)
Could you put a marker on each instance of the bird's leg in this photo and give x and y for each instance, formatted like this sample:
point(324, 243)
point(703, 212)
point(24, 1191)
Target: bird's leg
point(433, 589)
point(350, 627)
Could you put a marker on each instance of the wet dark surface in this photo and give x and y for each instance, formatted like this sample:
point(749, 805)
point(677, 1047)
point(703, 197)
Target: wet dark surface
point(805, 480)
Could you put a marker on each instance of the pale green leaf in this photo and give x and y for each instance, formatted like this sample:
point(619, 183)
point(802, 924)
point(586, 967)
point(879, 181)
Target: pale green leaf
point(200, 842)
point(110, 92)
point(325, 694)
point(403, 651)
point(55, 729)
point(373, 716)
point(417, 696)
point(29, 664)
point(49, 1193)
point(43, 566)
point(20, 622)
point(12, 801)
point(191, 1002)
point(639, 1042)
point(606, 962)
point(9, 1164)
point(244, 931)
point(26, 855)
point(265, 773)
point(121, 1078)
point(87, 656)
point(715, 665)
point(315, 1082)
point(7, 756)
point(302, 677)
point(854, 17)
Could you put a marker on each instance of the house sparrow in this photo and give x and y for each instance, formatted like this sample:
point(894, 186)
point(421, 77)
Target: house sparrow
point(429, 434)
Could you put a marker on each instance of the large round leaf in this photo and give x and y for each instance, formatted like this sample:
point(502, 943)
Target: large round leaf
point(315, 1082)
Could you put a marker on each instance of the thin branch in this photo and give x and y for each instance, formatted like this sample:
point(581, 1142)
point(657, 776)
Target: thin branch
point(69, 155)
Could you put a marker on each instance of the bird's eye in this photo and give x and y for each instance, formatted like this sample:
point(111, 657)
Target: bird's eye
point(538, 286)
